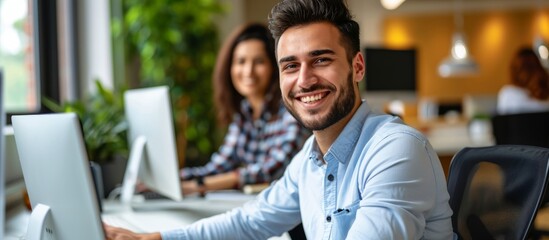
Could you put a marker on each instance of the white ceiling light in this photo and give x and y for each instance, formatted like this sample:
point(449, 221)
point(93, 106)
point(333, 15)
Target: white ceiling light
point(459, 63)
point(391, 4)
point(540, 47)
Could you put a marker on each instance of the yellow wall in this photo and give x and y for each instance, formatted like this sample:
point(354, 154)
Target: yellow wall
point(493, 37)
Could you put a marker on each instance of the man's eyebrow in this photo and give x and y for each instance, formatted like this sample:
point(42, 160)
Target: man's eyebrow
point(321, 52)
point(286, 59)
point(312, 54)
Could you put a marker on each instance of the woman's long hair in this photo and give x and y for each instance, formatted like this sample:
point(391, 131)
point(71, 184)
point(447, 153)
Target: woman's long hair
point(527, 72)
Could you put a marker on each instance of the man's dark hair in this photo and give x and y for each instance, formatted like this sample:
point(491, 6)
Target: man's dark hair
point(290, 13)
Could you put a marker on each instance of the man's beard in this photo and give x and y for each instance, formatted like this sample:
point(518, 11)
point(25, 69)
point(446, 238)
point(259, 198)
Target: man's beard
point(343, 106)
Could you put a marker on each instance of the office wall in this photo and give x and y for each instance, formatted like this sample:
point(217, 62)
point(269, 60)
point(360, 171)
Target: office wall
point(258, 11)
point(493, 36)
point(233, 18)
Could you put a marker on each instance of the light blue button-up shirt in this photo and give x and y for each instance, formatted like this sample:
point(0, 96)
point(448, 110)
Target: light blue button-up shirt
point(380, 179)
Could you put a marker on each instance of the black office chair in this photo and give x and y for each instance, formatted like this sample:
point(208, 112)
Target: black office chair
point(522, 128)
point(496, 191)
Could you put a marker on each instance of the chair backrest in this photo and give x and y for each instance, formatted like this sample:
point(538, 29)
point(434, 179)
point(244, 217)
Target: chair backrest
point(495, 191)
point(522, 128)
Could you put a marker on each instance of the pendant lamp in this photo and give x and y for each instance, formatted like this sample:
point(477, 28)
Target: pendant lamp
point(391, 4)
point(541, 49)
point(459, 63)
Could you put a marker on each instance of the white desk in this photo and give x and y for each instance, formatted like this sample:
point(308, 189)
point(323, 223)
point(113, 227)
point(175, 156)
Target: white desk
point(17, 219)
point(147, 221)
point(448, 137)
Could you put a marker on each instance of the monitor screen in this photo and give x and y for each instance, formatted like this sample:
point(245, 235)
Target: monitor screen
point(57, 175)
point(390, 70)
point(152, 140)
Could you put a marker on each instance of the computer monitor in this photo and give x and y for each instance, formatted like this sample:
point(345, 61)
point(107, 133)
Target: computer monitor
point(2, 157)
point(390, 75)
point(390, 70)
point(58, 179)
point(153, 156)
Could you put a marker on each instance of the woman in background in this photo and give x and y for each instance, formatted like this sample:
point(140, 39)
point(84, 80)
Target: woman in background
point(529, 88)
point(262, 136)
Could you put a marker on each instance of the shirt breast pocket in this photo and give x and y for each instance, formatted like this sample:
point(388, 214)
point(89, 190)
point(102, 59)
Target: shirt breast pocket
point(344, 219)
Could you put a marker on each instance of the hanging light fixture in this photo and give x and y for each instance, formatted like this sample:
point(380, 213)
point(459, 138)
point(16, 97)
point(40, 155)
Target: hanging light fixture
point(459, 62)
point(540, 47)
point(391, 4)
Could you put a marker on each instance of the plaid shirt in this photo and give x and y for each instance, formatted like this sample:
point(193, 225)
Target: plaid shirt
point(259, 149)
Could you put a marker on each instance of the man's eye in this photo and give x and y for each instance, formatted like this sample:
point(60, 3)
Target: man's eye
point(323, 60)
point(289, 66)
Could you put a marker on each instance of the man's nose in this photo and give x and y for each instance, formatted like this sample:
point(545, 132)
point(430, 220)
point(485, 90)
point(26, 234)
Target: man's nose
point(307, 78)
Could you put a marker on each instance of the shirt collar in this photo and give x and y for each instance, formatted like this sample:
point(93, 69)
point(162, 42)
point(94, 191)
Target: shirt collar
point(342, 148)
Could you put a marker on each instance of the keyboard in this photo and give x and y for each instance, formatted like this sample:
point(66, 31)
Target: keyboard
point(150, 195)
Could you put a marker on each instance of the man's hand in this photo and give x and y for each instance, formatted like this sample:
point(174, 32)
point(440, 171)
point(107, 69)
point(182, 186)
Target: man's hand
point(115, 233)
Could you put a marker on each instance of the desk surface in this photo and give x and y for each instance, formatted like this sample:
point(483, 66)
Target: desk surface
point(147, 220)
point(449, 136)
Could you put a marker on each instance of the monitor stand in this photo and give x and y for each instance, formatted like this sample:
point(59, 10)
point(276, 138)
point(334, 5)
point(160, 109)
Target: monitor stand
point(132, 170)
point(41, 224)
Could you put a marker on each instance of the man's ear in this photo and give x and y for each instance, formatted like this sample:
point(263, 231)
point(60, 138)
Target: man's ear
point(359, 67)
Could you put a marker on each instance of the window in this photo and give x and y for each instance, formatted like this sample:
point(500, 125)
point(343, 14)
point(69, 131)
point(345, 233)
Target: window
point(28, 54)
point(17, 57)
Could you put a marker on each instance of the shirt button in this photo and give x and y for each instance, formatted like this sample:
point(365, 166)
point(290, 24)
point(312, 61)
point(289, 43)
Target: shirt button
point(330, 177)
point(329, 218)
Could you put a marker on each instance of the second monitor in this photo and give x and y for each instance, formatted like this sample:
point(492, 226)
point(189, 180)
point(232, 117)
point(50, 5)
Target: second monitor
point(153, 155)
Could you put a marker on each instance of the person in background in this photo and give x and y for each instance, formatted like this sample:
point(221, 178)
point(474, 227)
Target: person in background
point(362, 175)
point(262, 136)
point(529, 87)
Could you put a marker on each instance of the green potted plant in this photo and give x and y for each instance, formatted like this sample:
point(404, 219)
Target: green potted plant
point(104, 129)
point(173, 43)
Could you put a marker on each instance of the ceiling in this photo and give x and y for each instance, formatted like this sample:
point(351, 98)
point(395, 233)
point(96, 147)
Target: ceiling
point(445, 5)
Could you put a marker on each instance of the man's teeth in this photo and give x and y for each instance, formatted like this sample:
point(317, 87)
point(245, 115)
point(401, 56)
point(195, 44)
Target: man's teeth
point(313, 98)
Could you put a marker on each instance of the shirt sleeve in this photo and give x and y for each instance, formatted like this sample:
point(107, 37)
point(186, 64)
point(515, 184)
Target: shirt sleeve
point(287, 140)
point(221, 161)
point(273, 212)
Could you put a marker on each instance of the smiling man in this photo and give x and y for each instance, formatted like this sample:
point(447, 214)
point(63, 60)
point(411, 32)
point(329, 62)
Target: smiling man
point(362, 175)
